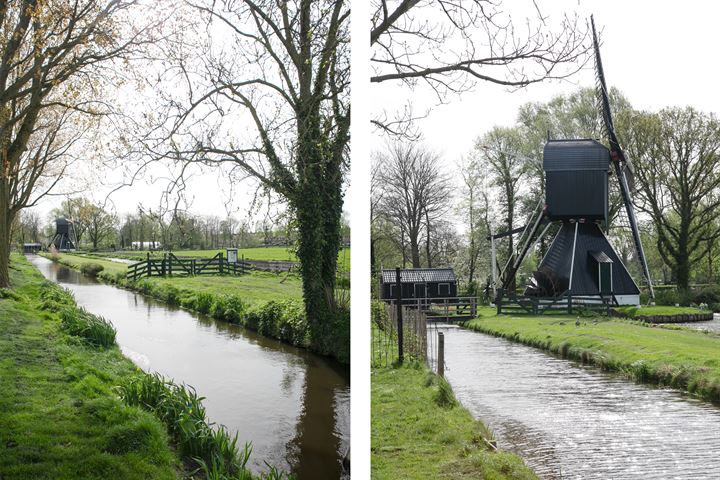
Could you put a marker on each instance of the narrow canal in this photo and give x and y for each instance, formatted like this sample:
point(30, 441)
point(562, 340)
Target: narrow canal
point(570, 421)
point(292, 405)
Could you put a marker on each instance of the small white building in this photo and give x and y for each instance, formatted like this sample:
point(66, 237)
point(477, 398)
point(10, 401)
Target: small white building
point(145, 245)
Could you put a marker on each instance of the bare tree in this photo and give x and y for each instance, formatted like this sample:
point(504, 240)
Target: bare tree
point(415, 192)
point(267, 94)
point(52, 59)
point(449, 46)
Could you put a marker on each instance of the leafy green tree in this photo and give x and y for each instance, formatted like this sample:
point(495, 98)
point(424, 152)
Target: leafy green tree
point(677, 178)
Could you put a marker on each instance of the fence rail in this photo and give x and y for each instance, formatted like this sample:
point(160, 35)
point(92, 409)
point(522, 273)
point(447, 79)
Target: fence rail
point(172, 265)
point(447, 309)
point(566, 303)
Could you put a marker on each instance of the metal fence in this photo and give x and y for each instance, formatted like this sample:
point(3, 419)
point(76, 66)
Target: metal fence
point(385, 337)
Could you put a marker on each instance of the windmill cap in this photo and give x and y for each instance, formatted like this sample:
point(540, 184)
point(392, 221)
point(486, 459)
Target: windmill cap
point(579, 154)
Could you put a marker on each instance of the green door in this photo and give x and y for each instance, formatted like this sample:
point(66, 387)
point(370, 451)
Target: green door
point(605, 278)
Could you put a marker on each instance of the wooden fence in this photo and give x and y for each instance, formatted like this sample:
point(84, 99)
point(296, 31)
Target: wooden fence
point(385, 339)
point(513, 303)
point(172, 265)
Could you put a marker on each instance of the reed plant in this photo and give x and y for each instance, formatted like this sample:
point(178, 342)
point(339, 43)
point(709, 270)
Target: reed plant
point(92, 328)
point(209, 448)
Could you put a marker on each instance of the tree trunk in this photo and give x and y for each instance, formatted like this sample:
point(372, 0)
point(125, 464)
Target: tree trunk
point(317, 201)
point(5, 222)
point(415, 251)
point(427, 240)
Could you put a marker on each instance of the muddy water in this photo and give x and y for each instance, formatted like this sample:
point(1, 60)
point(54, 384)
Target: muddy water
point(294, 406)
point(573, 422)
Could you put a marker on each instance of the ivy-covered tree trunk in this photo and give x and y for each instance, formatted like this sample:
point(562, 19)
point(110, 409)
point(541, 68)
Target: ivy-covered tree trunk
point(317, 201)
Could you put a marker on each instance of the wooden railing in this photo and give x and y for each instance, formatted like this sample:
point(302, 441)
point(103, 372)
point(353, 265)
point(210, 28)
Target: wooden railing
point(172, 265)
point(444, 308)
point(565, 303)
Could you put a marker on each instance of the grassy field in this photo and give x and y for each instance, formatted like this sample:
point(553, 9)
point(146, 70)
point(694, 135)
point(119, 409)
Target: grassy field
point(682, 358)
point(254, 288)
point(260, 253)
point(61, 418)
point(413, 437)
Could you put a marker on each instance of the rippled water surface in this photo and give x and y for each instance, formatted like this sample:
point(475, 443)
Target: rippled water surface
point(294, 406)
point(573, 422)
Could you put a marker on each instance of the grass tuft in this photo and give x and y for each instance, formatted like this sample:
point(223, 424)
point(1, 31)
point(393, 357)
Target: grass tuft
point(92, 328)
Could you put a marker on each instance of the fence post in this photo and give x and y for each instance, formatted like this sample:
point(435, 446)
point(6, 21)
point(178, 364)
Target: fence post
point(221, 262)
point(473, 307)
point(163, 264)
point(170, 264)
point(398, 298)
point(192, 266)
point(242, 265)
point(441, 355)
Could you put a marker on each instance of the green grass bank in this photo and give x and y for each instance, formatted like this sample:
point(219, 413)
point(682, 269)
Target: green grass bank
point(677, 357)
point(268, 303)
point(61, 418)
point(420, 432)
point(75, 408)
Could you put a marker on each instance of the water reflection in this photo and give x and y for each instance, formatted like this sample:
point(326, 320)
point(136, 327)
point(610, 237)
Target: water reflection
point(573, 422)
point(293, 405)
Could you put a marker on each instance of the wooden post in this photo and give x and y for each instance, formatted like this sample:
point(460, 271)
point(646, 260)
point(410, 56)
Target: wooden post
point(162, 268)
point(441, 355)
point(221, 262)
point(170, 264)
point(473, 307)
point(398, 299)
point(242, 265)
point(192, 266)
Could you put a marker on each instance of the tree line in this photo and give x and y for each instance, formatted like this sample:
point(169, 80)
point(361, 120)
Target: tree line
point(421, 218)
point(96, 228)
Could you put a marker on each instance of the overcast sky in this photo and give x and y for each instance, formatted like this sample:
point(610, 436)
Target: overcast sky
point(658, 54)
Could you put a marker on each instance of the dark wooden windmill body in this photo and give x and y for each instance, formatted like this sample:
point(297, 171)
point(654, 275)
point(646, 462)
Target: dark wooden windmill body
point(64, 239)
point(581, 261)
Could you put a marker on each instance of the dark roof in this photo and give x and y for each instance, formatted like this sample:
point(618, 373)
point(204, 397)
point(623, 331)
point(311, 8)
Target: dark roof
point(590, 239)
point(63, 221)
point(560, 155)
point(419, 275)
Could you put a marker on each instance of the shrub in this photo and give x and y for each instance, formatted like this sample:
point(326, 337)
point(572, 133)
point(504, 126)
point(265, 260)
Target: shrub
point(668, 297)
point(92, 328)
point(203, 302)
point(709, 295)
point(91, 269)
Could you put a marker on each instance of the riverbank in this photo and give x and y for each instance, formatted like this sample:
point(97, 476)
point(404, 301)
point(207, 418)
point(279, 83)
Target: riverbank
point(268, 303)
point(414, 437)
point(61, 416)
point(680, 358)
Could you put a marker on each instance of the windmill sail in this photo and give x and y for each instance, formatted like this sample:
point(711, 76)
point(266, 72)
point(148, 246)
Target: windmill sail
point(622, 166)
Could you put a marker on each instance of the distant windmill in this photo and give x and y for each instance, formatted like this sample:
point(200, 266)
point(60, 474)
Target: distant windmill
point(581, 261)
point(64, 239)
